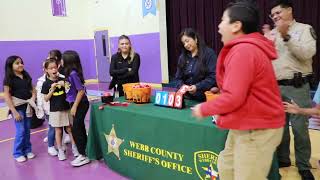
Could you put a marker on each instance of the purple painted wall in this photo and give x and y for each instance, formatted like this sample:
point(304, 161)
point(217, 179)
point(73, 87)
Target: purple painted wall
point(148, 47)
point(34, 53)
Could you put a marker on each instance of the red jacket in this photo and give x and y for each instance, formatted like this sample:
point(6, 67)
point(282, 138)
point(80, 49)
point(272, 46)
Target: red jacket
point(250, 96)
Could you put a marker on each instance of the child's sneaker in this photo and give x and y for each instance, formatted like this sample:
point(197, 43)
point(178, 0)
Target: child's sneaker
point(64, 147)
point(75, 150)
point(61, 155)
point(52, 151)
point(80, 161)
point(21, 159)
point(30, 155)
point(67, 139)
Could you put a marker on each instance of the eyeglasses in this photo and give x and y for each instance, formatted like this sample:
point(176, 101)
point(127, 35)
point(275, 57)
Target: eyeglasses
point(53, 68)
point(277, 13)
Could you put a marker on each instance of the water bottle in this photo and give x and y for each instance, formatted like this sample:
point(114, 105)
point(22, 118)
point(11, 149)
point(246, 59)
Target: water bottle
point(116, 92)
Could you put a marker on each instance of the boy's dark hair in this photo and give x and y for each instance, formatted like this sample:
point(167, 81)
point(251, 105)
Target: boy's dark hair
point(9, 73)
point(71, 61)
point(281, 3)
point(247, 13)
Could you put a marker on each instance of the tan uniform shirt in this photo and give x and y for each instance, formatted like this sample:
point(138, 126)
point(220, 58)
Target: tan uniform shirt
point(296, 54)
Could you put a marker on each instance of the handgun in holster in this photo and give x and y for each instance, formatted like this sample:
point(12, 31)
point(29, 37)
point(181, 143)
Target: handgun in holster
point(298, 80)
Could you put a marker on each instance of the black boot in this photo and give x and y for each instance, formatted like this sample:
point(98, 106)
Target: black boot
point(306, 175)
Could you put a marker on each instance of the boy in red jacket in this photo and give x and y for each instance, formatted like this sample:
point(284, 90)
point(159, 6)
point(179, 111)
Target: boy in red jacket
point(250, 103)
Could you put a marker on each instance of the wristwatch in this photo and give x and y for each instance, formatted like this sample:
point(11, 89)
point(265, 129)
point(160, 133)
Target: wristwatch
point(286, 38)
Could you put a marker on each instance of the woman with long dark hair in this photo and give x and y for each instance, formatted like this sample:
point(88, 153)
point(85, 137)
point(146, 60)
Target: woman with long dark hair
point(196, 65)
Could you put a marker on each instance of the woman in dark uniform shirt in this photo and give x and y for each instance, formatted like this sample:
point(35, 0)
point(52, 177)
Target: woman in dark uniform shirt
point(196, 65)
point(124, 67)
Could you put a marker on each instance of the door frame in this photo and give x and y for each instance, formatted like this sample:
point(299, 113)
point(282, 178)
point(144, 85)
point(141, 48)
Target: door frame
point(95, 49)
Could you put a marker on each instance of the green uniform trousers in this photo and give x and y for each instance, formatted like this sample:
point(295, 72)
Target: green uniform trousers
point(299, 124)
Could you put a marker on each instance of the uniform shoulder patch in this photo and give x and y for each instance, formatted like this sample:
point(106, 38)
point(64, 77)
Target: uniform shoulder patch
point(313, 33)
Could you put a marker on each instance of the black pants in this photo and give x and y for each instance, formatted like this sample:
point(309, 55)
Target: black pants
point(78, 128)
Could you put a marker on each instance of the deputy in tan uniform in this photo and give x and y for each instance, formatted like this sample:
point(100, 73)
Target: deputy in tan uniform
point(296, 45)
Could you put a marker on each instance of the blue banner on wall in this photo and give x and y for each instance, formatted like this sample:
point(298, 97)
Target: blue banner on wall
point(149, 6)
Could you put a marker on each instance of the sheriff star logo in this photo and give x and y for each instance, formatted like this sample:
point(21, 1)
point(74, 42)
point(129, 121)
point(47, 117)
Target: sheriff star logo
point(113, 142)
point(206, 165)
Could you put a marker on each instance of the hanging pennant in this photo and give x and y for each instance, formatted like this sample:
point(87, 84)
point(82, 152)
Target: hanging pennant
point(58, 8)
point(149, 6)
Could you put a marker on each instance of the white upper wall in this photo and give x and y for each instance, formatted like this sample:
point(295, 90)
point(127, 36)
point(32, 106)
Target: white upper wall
point(29, 20)
point(121, 17)
point(33, 20)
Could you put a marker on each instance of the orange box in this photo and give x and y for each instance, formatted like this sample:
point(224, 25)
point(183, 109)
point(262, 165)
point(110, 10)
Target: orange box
point(210, 96)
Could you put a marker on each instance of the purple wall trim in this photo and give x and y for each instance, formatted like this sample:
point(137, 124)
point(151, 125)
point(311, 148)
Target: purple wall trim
point(148, 47)
point(34, 53)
